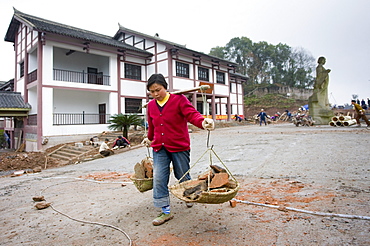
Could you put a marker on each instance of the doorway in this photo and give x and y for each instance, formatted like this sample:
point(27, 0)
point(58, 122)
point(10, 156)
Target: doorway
point(102, 113)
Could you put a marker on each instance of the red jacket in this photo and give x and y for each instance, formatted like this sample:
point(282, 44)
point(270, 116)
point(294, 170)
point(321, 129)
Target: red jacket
point(123, 139)
point(169, 128)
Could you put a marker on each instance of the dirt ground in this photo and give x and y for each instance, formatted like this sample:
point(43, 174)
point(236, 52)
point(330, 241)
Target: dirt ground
point(30, 162)
point(298, 186)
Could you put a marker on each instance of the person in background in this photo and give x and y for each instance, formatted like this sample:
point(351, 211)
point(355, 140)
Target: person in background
point(289, 114)
point(368, 103)
point(121, 142)
point(7, 139)
point(262, 115)
point(363, 104)
point(238, 118)
point(104, 149)
point(360, 114)
point(168, 116)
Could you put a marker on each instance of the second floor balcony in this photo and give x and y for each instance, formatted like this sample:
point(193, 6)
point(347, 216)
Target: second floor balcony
point(73, 119)
point(81, 77)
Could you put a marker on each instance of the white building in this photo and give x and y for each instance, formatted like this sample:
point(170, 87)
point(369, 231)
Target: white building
point(76, 79)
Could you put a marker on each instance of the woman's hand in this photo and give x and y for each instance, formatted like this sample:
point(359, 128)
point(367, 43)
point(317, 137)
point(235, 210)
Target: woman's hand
point(146, 142)
point(208, 124)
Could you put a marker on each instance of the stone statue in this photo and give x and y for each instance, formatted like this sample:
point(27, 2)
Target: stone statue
point(322, 83)
point(319, 101)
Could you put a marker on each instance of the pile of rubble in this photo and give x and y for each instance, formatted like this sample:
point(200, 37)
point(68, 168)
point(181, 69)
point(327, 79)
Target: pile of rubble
point(214, 180)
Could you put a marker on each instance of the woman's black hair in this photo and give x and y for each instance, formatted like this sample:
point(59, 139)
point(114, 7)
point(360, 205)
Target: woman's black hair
point(157, 78)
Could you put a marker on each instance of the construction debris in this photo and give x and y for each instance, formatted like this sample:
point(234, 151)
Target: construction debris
point(38, 198)
point(214, 180)
point(144, 169)
point(42, 205)
point(143, 177)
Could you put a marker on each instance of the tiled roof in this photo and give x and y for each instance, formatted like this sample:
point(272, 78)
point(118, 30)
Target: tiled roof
point(7, 85)
point(239, 75)
point(47, 26)
point(155, 37)
point(175, 45)
point(12, 100)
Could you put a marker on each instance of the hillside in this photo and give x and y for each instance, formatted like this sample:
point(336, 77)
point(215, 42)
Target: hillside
point(271, 103)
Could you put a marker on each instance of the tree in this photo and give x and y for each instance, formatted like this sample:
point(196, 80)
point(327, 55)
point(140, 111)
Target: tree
point(122, 122)
point(218, 52)
point(239, 50)
point(302, 68)
point(268, 65)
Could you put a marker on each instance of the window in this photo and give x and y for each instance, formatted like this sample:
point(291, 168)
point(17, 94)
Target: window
point(220, 77)
point(133, 105)
point(203, 74)
point(21, 69)
point(200, 107)
point(132, 71)
point(182, 69)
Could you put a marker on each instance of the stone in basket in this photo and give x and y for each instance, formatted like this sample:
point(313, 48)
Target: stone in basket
point(213, 186)
point(143, 177)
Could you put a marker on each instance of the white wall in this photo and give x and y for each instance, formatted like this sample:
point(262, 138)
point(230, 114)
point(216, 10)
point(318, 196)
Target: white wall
point(220, 89)
point(233, 98)
point(47, 65)
point(163, 68)
point(112, 106)
point(133, 88)
point(32, 100)
point(32, 61)
point(47, 110)
point(180, 84)
point(73, 101)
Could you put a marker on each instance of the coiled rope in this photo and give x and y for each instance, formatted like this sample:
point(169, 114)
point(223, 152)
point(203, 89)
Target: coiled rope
point(84, 221)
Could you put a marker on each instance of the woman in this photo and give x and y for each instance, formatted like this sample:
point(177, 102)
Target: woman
point(168, 116)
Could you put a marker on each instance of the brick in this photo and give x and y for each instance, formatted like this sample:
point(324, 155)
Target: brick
point(204, 176)
point(193, 183)
point(139, 171)
point(193, 192)
point(218, 169)
point(148, 167)
point(232, 203)
point(219, 180)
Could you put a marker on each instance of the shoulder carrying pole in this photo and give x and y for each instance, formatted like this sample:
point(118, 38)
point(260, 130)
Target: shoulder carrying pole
point(200, 88)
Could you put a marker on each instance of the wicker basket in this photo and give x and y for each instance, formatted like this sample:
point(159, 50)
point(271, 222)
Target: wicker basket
point(206, 196)
point(143, 184)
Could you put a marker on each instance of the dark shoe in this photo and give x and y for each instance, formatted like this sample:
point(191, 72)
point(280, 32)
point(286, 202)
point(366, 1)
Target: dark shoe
point(189, 204)
point(162, 218)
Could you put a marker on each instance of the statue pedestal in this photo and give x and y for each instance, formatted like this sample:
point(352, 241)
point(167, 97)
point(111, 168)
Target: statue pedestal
point(320, 115)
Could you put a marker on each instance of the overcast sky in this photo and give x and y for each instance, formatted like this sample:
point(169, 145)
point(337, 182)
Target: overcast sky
point(336, 29)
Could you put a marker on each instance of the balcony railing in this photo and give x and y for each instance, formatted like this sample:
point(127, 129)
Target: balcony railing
point(32, 76)
point(32, 120)
point(80, 119)
point(81, 77)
